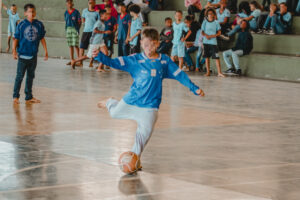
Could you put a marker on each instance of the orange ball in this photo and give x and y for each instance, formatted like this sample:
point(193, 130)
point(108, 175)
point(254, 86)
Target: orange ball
point(128, 162)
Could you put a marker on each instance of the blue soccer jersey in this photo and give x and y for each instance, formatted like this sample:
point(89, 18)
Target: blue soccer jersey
point(123, 24)
point(148, 75)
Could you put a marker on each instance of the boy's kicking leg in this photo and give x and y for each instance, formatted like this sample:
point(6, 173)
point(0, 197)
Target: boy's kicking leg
point(145, 118)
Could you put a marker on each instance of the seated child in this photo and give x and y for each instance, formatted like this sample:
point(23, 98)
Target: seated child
point(278, 23)
point(243, 46)
point(166, 37)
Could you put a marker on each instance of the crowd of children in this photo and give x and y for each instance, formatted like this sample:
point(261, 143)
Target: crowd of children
point(106, 24)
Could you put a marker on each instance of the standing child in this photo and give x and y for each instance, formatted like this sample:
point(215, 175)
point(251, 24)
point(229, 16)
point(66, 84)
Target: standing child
point(243, 46)
point(97, 42)
point(199, 43)
point(223, 16)
point(89, 17)
point(178, 49)
point(142, 102)
point(166, 37)
point(211, 29)
point(190, 48)
point(73, 23)
point(14, 19)
point(110, 27)
point(135, 29)
point(29, 33)
point(124, 22)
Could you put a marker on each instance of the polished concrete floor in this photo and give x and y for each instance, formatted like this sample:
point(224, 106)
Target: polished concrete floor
point(240, 142)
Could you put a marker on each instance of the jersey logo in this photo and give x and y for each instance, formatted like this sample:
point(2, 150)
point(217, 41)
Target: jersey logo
point(141, 61)
point(153, 72)
point(31, 33)
point(163, 62)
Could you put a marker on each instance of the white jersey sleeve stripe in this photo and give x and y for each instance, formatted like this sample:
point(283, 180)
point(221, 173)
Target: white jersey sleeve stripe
point(121, 61)
point(177, 72)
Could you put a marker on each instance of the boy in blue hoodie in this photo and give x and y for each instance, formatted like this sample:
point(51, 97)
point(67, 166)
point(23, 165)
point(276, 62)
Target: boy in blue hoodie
point(141, 103)
point(29, 33)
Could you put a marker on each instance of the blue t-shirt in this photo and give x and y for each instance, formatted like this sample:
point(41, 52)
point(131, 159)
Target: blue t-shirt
point(178, 30)
point(109, 25)
point(136, 25)
point(90, 19)
point(148, 75)
point(29, 36)
point(287, 17)
point(253, 22)
point(243, 15)
point(73, 19)
point(13, 19)
point(97, 38)
point(221, 17)
point(210, 28)
point(123, 24)
point(214, 1)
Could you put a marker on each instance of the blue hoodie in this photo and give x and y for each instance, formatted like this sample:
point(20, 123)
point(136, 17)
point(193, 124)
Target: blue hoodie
point(148, 75)
point(29, 36)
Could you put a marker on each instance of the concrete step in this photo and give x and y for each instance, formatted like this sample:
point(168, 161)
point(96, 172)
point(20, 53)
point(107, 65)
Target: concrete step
point(277, 44)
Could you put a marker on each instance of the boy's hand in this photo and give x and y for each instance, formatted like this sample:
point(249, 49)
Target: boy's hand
point(207, 37)
point(95, 53)
point(15, 55)
point(200, 92)
point(182, 39)
point(116, 40)
point(129, 39)
point(46, 56)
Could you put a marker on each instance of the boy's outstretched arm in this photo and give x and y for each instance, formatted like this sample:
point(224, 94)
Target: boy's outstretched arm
point(174, 72)
point(120, 63)
point(43, 41)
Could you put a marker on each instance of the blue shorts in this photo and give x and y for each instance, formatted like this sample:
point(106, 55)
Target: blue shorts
point(178, 50)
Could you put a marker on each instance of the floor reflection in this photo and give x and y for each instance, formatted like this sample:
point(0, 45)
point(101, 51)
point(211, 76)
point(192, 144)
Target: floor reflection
point(133, 185)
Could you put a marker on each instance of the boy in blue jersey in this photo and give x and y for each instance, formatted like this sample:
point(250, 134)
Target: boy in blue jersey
point(73, 24)
point(111, 27)
point(89, 17)
point(124, 21)
point(135, 29)
point(29, 33)
point(211, 29)
point(178, 49)
point(141, 103)
point(14, 19)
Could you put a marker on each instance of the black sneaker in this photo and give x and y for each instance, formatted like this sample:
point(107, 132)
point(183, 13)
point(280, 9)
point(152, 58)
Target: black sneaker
point(238, 72)
point(230, 71)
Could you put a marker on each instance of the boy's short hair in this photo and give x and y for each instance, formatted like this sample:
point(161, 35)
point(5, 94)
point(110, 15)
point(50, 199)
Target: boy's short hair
point(150, 33)
point(71, 1)
point(29, 5)
point(189, 18)
point(168, 18)
point(178, 11)
point(283, 4)
point(101, 12)
point(210, 9)
point(121, 4)
point(13, 5)
point(134, 8)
